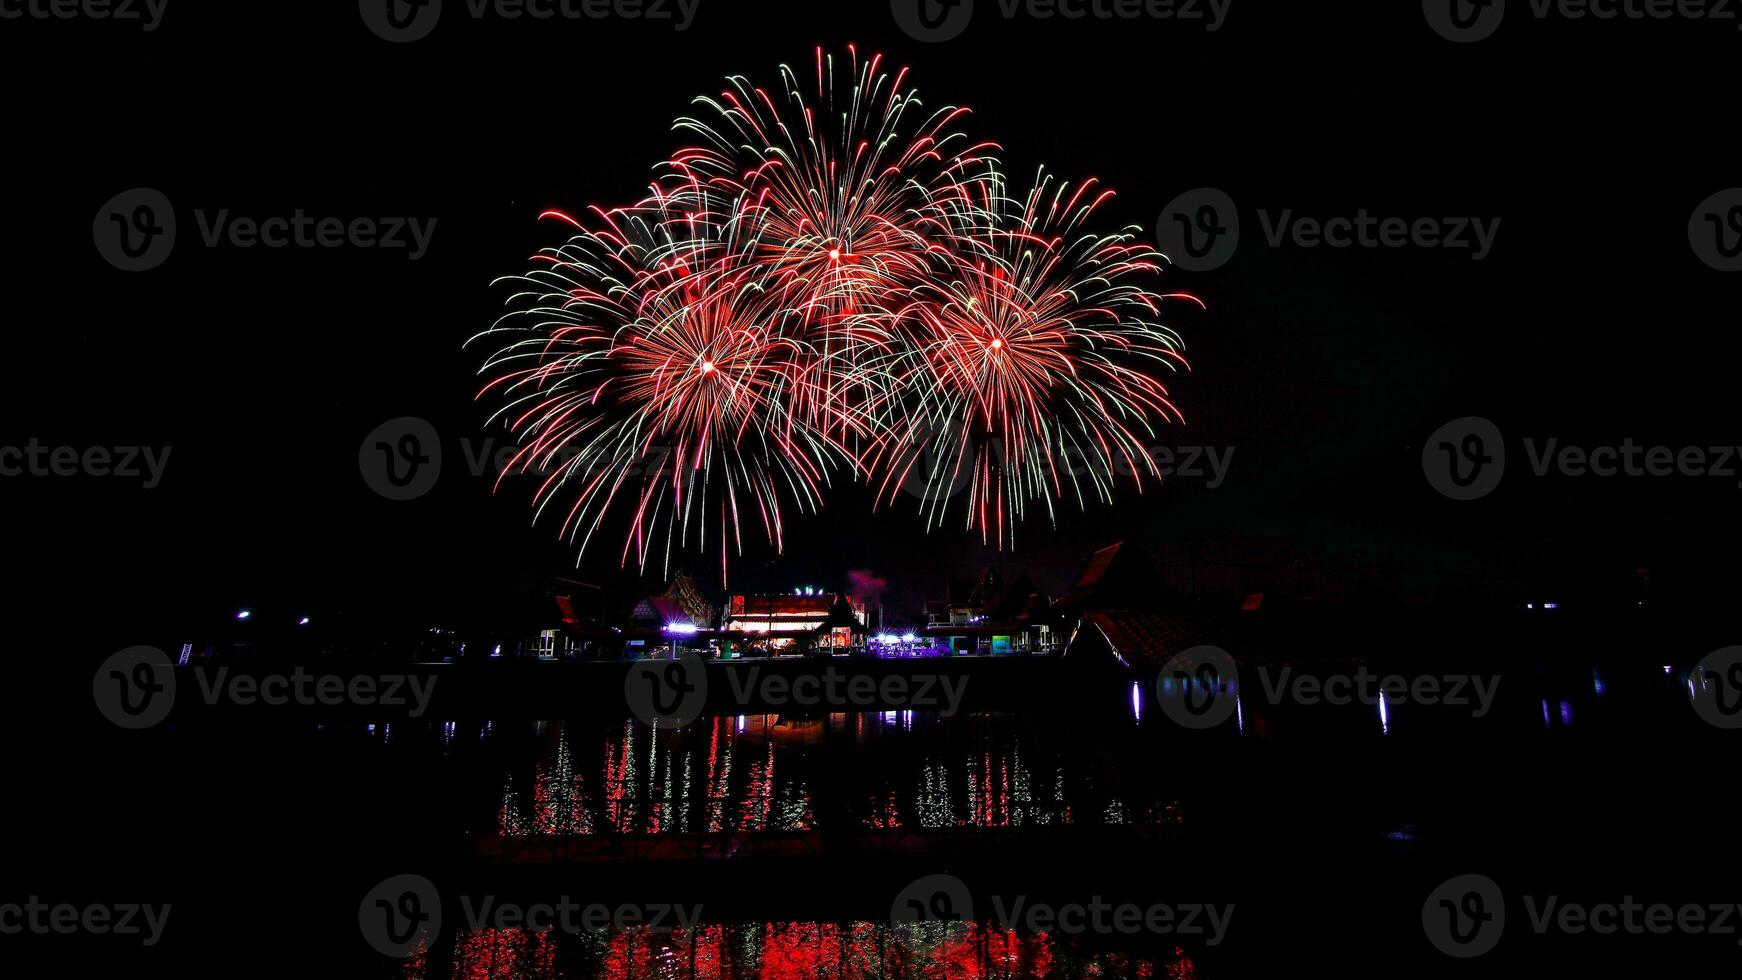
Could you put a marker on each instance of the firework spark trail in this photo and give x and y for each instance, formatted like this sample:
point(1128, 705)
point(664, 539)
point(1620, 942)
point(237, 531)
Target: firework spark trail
point(641, 376)
point(831, 279)
point(844, 190)
point(1034, 351)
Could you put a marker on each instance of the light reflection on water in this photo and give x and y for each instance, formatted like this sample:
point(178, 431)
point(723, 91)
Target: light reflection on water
point(792, 950)
point(756, 773)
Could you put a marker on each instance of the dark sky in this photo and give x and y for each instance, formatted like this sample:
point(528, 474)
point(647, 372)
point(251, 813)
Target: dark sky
point(1324, 370)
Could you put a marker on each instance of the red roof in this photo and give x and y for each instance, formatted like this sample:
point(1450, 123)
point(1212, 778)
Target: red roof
point(757, 606)
point(1090, 579)
point(1146, 639)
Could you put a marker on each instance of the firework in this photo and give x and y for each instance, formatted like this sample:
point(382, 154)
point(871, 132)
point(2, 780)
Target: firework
point(843, 180)
point(831, 279)
point(1028, 372)
point(641, 377)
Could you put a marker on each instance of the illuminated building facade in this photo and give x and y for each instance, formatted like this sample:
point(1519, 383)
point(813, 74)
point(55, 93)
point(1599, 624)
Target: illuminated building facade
point(827, 620)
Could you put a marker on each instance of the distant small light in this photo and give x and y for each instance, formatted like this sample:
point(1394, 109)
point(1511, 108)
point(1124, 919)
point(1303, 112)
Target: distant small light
point(1667, 668)
point(708, 367)
point(835, 254)
point(244, 614)
point(1530, 605)
point(497, 652)
point(887, 638)
point(303, 621)
point(682, 628)
point(1551, 605)
point(997, 343)
point(909, 638)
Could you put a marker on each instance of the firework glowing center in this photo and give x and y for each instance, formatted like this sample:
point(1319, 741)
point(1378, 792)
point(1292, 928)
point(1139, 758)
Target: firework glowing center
point(831, 283)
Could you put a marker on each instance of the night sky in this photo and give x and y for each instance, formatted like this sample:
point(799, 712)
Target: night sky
point(1325, 370)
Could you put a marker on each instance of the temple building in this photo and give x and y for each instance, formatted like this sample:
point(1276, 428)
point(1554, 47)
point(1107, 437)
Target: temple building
point(805, 618)
point(992, 618)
